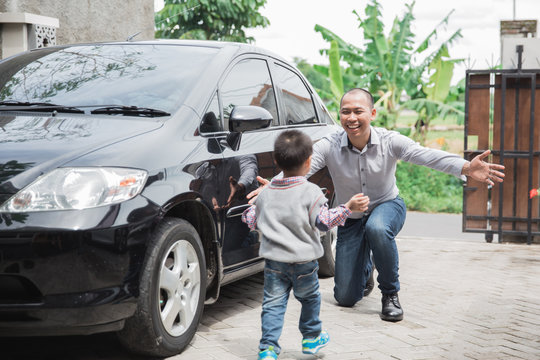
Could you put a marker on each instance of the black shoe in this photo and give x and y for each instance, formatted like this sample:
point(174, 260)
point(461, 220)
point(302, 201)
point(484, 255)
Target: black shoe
point(391, 308)
point(370, 284)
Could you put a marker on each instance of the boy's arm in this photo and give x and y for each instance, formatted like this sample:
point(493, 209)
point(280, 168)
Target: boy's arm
point(329, 218)
point(249, 216)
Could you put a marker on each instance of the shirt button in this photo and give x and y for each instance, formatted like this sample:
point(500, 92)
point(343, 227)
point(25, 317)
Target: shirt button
point(362, 169)
point(363, 184)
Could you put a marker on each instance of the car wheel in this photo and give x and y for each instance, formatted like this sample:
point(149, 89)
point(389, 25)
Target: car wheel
point(327, 263)
point(172, 292)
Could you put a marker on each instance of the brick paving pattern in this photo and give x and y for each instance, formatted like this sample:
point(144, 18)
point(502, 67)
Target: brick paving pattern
point(462, 300)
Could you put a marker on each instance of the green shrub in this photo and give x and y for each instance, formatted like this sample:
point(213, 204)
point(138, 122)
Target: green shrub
point(428, 190)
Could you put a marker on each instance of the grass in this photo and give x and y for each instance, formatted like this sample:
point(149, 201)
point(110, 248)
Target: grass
point(428, 190)
point(425, 189)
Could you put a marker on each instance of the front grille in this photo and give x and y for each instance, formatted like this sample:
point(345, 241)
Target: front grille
point(18, 290)
point(15, 238)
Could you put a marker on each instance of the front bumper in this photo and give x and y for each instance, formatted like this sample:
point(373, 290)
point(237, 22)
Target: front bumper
point(72, 272)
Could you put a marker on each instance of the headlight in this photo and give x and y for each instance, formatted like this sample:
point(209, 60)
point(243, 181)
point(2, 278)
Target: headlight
point(77, 188)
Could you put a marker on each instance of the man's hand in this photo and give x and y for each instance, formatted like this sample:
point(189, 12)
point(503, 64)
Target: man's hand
point(483, 171)
point(253, 195)
point(358, 202)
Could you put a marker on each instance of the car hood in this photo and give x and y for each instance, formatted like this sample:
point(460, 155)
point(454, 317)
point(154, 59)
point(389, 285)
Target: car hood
point(33, 145)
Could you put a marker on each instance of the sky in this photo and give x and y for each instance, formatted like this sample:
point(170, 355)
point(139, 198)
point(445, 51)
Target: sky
point(291, 31)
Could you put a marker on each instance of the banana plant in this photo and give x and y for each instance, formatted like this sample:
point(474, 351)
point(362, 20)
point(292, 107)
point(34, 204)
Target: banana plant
point(388, 65)
point(436, 102)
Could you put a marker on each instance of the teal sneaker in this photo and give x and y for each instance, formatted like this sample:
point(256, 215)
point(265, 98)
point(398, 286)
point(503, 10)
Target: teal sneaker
point(268, 354)
point(312, 346)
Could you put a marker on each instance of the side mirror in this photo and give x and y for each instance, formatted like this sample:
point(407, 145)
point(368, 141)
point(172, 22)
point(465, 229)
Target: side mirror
point(246, 118)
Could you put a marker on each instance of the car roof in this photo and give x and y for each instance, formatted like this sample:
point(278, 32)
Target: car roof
point(240, 47)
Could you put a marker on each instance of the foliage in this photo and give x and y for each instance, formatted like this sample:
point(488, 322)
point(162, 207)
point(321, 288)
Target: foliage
point(436, 90)
point(318, 79)
point(456, 98)
point(387, 64)
point(209, 19)
point(427, 190)
point(334, 71)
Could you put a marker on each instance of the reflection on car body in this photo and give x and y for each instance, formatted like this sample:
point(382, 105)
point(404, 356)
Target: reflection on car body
point(123, 172)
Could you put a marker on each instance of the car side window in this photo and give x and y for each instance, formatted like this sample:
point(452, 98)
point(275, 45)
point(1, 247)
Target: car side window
point(298, 104)
point(248, 83)
point(211, 121)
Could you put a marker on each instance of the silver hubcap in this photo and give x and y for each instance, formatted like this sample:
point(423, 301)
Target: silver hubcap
point(179, 287)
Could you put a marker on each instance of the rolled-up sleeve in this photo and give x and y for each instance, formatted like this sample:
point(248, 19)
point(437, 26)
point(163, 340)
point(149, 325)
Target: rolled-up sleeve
point(329, 218)
point(249, 216)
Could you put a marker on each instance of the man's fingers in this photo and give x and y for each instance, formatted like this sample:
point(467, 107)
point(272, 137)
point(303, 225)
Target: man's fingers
point(497, 173)
point(254, 193)
point(262, 180)
point(485, 154)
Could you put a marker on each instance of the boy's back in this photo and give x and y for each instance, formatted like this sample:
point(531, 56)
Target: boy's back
point(286, 216)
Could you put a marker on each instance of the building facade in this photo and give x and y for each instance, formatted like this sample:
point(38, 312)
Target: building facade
point(39, 23)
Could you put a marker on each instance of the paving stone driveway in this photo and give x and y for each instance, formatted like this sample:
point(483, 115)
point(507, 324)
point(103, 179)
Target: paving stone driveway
point(462, 300)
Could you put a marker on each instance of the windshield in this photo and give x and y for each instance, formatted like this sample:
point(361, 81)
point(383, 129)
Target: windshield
point(150, 76)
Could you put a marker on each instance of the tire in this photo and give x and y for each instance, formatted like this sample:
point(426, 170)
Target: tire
point(172, 292)
point(327, 263)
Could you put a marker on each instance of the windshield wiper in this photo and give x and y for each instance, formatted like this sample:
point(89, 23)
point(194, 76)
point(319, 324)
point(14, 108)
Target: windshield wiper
point(130, 111)
point(14, 105)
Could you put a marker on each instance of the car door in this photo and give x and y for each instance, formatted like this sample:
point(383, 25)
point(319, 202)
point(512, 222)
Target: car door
point(225, 181)
point(301, 108)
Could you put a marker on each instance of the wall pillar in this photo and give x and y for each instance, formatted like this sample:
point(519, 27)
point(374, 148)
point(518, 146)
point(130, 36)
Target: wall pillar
point(24, 31)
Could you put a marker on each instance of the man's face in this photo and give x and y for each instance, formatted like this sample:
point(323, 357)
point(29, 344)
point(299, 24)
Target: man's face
point(356, 114)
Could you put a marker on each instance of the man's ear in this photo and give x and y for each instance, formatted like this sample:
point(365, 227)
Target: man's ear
point(373, 113)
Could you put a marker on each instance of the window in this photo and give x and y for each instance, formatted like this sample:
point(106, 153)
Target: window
point(298, 106)
point(157, 76)
point(211, 121)
point(248, 83)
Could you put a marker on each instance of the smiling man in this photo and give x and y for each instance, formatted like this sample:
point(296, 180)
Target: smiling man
point(362, 159)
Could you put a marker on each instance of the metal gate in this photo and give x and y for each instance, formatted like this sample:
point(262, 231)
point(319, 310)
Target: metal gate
point(502, 113)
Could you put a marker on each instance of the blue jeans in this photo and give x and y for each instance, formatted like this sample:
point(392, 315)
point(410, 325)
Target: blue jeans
point(375, 232)
point(279, 279)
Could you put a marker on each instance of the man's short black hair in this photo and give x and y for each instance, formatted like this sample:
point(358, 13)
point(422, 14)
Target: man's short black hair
point(291, 149)
point(364, 91)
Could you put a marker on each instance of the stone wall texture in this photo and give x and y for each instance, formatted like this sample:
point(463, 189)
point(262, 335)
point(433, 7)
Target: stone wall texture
point(91, 20)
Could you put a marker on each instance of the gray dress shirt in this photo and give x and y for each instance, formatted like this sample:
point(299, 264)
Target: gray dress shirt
point(371, 171)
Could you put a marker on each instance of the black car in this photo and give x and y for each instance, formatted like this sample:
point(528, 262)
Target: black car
point(124, 169)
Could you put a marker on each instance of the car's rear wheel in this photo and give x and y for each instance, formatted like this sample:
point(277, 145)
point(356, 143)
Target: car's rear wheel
point(172, 292)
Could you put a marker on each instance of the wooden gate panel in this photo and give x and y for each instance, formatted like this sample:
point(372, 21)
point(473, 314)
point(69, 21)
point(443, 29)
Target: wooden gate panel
point(476, 193)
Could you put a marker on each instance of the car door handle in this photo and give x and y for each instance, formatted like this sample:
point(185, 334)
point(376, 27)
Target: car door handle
point(237, 210)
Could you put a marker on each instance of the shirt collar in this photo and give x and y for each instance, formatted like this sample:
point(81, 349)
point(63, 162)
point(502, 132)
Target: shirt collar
point(373, 138)
point(288, 181)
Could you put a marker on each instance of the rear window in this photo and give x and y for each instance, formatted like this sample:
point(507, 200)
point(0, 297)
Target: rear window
point(154, 76)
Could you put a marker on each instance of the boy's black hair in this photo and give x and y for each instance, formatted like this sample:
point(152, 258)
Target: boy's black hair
point(291, 149)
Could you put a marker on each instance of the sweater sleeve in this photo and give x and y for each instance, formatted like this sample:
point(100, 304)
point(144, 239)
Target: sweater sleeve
point(319, 200)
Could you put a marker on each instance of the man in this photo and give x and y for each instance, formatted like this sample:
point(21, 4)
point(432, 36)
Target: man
point(362, 159)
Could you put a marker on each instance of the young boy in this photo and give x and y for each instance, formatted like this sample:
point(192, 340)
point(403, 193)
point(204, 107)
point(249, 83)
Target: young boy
point(289, 212)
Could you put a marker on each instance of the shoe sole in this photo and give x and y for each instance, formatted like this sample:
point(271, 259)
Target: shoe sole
point(315, 350)
point(391, 318)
